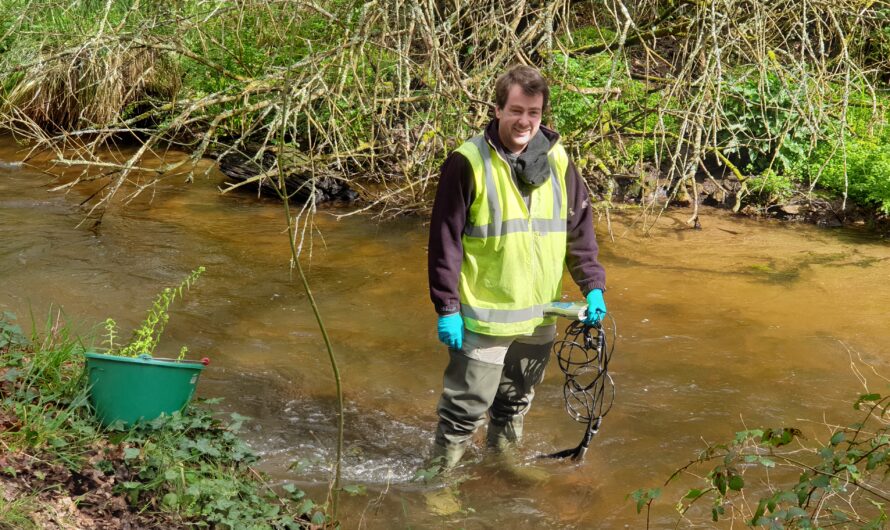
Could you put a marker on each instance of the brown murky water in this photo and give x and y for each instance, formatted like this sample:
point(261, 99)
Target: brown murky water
point(740, 324)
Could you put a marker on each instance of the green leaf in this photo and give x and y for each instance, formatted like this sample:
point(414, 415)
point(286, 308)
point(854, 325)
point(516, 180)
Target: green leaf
point(766, 462)
point(305, 506)
point(131, 453)
point(778, 438)
point(719, 482)
point(761, 509)
point(205, 447)
point(170, 501)
point(795, 511)
point(355, 489)
point(644, 497)
point(820, 481)
point(693, 494)
point(874, 459)
point(736, 483)
point(838, 438)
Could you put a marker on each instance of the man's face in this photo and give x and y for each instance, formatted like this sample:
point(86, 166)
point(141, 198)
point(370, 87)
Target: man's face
point(520, 119)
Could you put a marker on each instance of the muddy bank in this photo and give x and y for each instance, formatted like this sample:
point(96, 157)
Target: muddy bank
point(651, 188)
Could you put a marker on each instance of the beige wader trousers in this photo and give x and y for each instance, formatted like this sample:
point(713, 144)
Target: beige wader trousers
point(494, 375)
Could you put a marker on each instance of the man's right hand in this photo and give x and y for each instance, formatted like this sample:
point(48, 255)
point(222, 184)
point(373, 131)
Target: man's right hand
point(451, 330)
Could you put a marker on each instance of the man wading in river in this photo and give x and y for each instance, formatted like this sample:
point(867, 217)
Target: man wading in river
point(510, 210)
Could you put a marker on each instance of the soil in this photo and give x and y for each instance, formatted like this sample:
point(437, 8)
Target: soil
point(74, 499)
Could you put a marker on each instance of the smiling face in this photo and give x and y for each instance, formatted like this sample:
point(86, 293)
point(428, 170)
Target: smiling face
point(519, 119)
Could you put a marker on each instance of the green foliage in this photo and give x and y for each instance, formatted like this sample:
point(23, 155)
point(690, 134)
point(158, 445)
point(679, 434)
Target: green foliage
point(434, 469)
point(763, 124)
point(860, 165)
point(770, 187)
point(251, 42)
point(192, 464)
point(146, 337)
point(42, 385)
point(15, 513)
point(575, 112)
point(199, 468)
point(864, 171)
point(11, 335)
point(644, 497)
point(764, 128)
point(579, 111)
point(807, 485)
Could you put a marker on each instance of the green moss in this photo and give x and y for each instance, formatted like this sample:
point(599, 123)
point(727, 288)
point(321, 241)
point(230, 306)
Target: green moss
point(591, 36)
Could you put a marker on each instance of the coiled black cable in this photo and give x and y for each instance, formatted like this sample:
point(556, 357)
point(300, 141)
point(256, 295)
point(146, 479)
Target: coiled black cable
point(589, 391)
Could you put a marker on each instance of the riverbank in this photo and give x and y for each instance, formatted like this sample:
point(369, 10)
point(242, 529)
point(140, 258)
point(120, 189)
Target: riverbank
point(370, 101)
point(648, 190)
point(654, 190)
point(61, 469)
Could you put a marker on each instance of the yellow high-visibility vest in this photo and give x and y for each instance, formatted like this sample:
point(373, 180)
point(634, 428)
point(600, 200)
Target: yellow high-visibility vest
point(513, 258)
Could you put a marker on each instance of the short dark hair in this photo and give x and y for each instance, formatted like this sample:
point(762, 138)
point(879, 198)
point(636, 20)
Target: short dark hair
point(530, 79)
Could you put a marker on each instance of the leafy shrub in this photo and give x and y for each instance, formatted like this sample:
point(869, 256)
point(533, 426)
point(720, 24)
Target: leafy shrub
point(574, 112)
point(770, 187)
point(762, 124)
point(578, 115)
point(867, 170)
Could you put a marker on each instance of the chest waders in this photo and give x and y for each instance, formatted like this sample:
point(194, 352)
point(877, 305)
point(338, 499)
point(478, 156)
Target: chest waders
point(513, 259)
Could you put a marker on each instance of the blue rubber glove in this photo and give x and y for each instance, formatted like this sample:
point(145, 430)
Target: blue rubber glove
point(596, 307)
point(451, 330)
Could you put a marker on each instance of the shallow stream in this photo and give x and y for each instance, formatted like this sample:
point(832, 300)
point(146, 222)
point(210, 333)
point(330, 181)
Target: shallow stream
point(740, 324)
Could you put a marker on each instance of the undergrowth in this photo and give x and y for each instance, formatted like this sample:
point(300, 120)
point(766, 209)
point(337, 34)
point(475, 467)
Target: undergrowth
point(381, 92)
point(188, 469)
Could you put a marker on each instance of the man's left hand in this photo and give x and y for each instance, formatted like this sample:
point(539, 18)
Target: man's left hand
point(596, 307)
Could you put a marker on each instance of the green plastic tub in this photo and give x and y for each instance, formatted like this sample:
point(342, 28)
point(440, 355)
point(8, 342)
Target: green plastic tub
point(133, 389)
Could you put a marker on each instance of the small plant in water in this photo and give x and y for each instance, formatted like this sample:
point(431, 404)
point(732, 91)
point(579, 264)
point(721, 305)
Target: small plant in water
point(775, 478)
point(146, 337)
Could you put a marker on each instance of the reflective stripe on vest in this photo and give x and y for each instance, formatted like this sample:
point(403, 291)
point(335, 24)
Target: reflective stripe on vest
point(513, 252)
